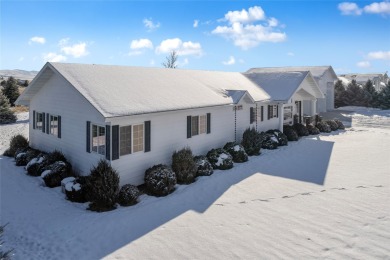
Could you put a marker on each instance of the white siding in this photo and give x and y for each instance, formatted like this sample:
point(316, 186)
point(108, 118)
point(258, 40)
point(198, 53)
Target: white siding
point(57, 97)
point(267, 124)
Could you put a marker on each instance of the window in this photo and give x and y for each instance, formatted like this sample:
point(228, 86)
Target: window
point(131, 139)
point(125, 140)
point(53, 125)
point(287, 113)
point(272, 111)
point(38, 121)
point(99, 139)
point(202, 124)
point(194, 125)
point(138, 138)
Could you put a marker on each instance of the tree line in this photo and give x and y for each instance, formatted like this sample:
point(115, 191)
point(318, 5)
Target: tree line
point(366, 95)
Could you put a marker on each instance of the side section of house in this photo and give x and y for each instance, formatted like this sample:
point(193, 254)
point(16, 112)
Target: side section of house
point(58, 116)
point(326, 84)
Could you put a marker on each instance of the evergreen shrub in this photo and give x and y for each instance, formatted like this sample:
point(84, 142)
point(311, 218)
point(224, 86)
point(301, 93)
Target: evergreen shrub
point(323, 127)
point(290, 132)
point(203, 165)
point(237, 151)
point(300, 129)
point(184, 166)
point(332, 124)
point(340, 124)
point(312, 129)
point(220, 159)
point(251, 141)
point(160, 180)
point(282, 138)
point(128, 195)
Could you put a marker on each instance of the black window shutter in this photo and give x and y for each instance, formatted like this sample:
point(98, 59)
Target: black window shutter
point(33, 119)
point(108, 142)
point(188, 126)
point(147, 136)
point(59, 127)
point(43, 122)
point(269, 112)
point(262, 113)
point(251, 115)
point(115, 142)
point(208, 123)
point(88, 137)
point(277, 111)
point(47, 123)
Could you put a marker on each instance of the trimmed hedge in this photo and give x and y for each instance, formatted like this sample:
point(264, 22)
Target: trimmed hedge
point(220, 159)
point(237, 151)
point(332, 124)
point(251, 141)
point(290, 132)
point(18, 142)
point(301, 129)
point(54, 173)
point(128, 195)
point(160, 180)
point(203, 165)
point(340, 124)
point(323, 127)
point(184, 166)
point(282, 138)
point(313, 130)
point(270, 142)
point(74, 189)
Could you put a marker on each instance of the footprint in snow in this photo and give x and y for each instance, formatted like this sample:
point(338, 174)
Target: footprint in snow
point(264, 200)
point(306, 193)
point(323, 190)
point(242, 202)
point(378, 186)
point(286, 197)
point(361, 187)
point(219, 205)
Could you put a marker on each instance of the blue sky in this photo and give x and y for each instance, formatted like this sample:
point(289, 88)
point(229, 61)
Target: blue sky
point(208, 35)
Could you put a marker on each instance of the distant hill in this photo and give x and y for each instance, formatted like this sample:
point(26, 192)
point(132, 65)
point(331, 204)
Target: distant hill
point(19, 74)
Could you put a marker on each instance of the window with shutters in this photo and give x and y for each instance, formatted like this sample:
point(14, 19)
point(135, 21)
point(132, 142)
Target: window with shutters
point(53, 125)
point(260, 114)
point(131, 139)
point(98, 139)
point(198, 125)
point(125, 140)
point(202, 124)
point(273, 111)
point(38, 121)
point(138, 138)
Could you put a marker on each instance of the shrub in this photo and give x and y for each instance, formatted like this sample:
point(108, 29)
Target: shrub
point(55, 173)
point(160, 180)
point(75, 188)
point(269, 141)
point(251, 141)
point(22, 157)
point(300, 129)
point(184, 166)
point(35, 166)
point(7, 116)
point(290, 133)
point(236, 151)
point(332, 124)
point(340, 124)
point(203, 165)
point(323, 127)
point(128, 195)
point(17, 142)
point(312, 130)
point(282, 138)
point(55, 156)
point(102, 187)
point(220, 159)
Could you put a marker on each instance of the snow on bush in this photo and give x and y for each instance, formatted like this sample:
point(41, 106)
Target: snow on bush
point(74, 189)
point(290, 132)
point(251, 141)
point(184, 166)
point(35, 166)
point(332, 124)
point(237, 151)
point(323, 127)
point(55, 173)
point(282, 138)
point(340, 124)
point(312, 130)
point(220, 159)
point(18, 142)
point(65, 181)
point(102, 187)
point(270, 142)
point(300, 129)
point(128, 195)
point(160, 180)
point(204, 167)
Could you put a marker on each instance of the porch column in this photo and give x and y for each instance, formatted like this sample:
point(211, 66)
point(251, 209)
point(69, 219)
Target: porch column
point(314, 107)
point(281, 116)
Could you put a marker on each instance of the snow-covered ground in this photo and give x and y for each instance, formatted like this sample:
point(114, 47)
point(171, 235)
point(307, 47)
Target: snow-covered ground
point(324, 196)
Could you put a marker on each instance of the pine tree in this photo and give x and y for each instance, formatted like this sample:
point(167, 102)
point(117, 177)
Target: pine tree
point(10, 90)
point(384, 97)
point(7, 116)
point(354, 94)
point(339, 94)
point(370, 94)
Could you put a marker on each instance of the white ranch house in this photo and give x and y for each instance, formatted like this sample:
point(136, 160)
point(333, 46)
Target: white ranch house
point(137, 117)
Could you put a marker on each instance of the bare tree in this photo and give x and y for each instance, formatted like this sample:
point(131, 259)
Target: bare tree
point(171, 60)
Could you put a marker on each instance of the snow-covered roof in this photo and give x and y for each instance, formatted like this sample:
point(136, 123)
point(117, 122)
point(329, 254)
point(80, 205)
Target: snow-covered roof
point(281, 86)
point(363, 77)
point(122, 90)
point(316, 71)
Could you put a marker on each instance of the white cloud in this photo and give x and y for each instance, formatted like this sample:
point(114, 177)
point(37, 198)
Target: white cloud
point(245, 33)
point(378, 8)
point(63, 42)
point(150, 25)
point(253, 14)
point(348, 8)
point(53, 57)
point(363, 64)
point(379, 55)
point(138, 46)
point(37, 39)
point(76, 50)
point(182, 48)
point(290, 53)
point(231, 61)
point(196, 23)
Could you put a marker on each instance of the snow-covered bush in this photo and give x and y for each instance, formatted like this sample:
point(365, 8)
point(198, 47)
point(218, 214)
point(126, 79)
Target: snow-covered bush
point(270, 142)
point(312, 130)
point(128, 195)
point(23, 156)
point(290, 132)
point(251, 141)
point(74, 189)
point(323, 127)
point(203, 165)
point(102, 187)
point(220, 159)
point(35, 166)
point(184, 166)
point(332, 124)
point(54, 173)
point(160, 180)
point(301, 129)
point(282, 138)
point(17, 142)
point(340, 124)
point(237, 151)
